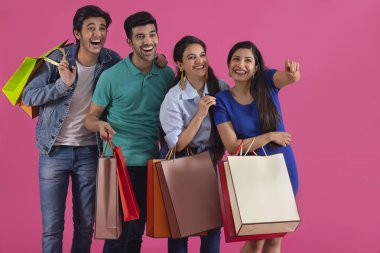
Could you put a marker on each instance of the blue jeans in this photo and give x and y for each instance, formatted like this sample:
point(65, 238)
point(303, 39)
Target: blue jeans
point(210, 243)
point(131, 237)
point(55, 170)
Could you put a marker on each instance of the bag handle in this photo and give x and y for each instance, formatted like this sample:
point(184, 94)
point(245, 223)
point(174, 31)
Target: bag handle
point(108, 142)
point(239, 149)
point(54, 62)
point(171, 153)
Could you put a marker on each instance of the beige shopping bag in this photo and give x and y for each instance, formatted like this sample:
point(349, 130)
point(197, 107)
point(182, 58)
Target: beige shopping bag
point(261, 195)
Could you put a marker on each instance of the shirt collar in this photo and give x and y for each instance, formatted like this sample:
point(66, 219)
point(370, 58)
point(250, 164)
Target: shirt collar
point(190, 93)
point(135, 71)
point(72, 52)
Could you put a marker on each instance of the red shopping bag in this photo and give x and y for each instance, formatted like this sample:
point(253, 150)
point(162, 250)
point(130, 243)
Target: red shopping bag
point(131, 210)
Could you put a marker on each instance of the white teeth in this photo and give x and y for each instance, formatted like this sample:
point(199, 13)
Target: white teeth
point(147, 48)
point(199, 67)
point(240, 72)
point(95, 41)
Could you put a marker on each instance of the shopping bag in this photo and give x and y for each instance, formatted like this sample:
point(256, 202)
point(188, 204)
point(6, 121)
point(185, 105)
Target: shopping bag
point(261, 195)
point(190, 193)
point(108, 217)
point(32, 111)
point(16, 84)
point(131, 210)
point(157, 224)
point(228, 222)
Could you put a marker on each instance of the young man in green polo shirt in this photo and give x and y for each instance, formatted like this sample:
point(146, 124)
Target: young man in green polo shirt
point(131, 92)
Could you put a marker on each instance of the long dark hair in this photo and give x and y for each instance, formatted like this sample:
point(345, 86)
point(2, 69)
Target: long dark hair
point(212, 86)
point(269, 116)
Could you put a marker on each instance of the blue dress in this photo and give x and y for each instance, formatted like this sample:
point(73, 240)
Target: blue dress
point(246, 123)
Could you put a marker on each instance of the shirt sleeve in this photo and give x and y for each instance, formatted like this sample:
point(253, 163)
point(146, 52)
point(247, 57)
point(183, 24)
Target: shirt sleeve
point(269, 74)
point(171, 119)
point(102, 93)
point(221, 114)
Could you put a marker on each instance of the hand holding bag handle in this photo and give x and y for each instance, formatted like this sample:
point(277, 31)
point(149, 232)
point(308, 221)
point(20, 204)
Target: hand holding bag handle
point(240, 149)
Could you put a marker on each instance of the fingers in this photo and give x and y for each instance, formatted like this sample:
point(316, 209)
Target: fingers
point(105, 130)
point(287, 138)
point(292, 66)
point(208, 101)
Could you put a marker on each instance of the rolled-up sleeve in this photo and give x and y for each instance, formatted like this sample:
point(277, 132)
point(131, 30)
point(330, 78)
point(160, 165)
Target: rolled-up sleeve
point(171, 119)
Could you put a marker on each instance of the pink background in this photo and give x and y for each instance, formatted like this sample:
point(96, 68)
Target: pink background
point(330, 112)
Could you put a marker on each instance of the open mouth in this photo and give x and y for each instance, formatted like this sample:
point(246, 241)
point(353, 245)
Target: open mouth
point(95, 43)
point(240, 72)
point(148, 49)
point(199, 67)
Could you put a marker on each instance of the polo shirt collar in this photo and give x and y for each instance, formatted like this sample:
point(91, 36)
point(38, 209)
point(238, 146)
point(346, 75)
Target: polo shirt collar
point(190, 93)
point(135, 71)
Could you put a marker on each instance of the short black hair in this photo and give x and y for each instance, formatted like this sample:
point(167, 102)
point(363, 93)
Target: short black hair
point(138, 19)
point(89, 11)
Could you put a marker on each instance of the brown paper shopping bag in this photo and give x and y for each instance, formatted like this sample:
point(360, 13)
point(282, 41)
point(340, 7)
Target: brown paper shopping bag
point(108, 216)
point(190, 193)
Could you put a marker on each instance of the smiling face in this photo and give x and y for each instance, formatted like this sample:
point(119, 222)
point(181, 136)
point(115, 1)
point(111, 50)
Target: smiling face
point(144, 42)
point(92, 36)
point(194, 61)
point(242, 66)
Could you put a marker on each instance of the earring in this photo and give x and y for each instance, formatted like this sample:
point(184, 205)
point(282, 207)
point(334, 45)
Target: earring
point(182, 79)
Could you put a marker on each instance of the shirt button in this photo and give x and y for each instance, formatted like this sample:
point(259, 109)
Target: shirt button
point(52, 137)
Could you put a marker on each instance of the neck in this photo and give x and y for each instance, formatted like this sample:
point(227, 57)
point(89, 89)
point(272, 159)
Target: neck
point(143, 66)
point(198, 83)
point(242, 87)
point(87, 59)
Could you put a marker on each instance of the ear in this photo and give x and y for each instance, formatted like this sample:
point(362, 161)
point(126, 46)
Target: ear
point(129, 42)
point(77, 34)
point(179, 65)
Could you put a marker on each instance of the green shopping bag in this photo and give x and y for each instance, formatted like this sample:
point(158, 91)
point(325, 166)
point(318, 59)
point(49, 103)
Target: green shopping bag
point(16, 84)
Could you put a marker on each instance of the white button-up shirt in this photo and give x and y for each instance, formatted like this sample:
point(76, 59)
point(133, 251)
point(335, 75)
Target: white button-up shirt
point(178, 109)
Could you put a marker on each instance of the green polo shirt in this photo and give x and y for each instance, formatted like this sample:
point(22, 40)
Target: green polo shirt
point(132, 100)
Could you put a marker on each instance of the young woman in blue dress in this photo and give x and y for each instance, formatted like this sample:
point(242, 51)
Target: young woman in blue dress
point(251, 111)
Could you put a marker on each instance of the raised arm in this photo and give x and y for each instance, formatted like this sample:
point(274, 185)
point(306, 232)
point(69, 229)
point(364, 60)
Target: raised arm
point(289, 76)
point(177, 134)
point(39, 91)
point(93, 123)
point(231, 142)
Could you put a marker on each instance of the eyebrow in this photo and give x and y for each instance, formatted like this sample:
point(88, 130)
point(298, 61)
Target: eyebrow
point(95, 25)
point(194, 54)
point(247, 57)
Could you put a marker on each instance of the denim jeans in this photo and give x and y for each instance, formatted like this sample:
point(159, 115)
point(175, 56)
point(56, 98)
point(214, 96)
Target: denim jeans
point(55, 170)
point(131, 237)
point(210, 243)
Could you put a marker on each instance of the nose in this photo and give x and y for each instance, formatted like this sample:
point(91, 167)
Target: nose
point(148, 40)
point(241, 63)
point(97, 32)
